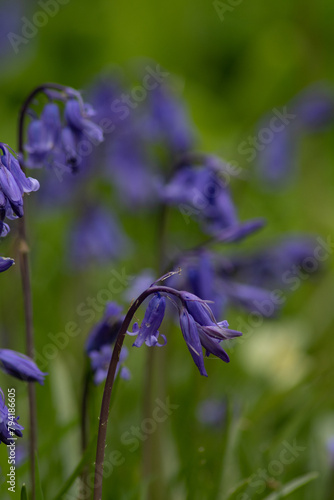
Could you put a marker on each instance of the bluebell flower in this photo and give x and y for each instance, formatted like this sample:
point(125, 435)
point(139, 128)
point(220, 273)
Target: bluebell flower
point(198, 325)
point(277, 161)
point(200, 192)
point(199, 277)
point(267, 266)
point(168, 121)
point(314, 107)
point(43, 136)
point(140, 283)
point(105, 332)
point(96, 236)
point(10, 26)
point(13, 184)
point(78, 118)
point(20, 366)
point(239, 231)
point(56, 142)
point(200, 329)
point(100, 343)
point(5, 263)
point(128, 158)
point(311, 110)
point(8, 423)
point(251, 298)
point(100, 361)
point(211, 412)
point(149, 329)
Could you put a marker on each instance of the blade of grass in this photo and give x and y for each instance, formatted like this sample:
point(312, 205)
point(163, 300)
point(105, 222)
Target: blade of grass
point(292, 486)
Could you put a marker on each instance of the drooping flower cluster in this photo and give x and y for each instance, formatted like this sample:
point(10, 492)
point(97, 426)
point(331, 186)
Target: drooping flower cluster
point(246, 280)
point(13, 185)
point(199, 327)
point(310, 111)
point(202, 192)
point(59, 142)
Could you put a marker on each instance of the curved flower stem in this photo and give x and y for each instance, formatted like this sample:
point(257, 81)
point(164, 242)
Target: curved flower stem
point(104, 414)
point(26, 285)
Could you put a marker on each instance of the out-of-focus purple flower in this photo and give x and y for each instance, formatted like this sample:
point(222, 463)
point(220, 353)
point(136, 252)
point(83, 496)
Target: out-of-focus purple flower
point(211, 412)
point(152, 320)
point(20, 366)
point(129, 167)
point(5, 263)
point(277, 264)
point(100, 361)
point(21, 454)
point(96, 236)
point(314, 107)
point(277, 161)
point(100, 342)
point(236, 233)
point(200, 192)
point(60, 143)
point(104, 96)
point(105, 332)
point(330, 449)
point(10, 25)
point(199, 277)
point(140, 283)
point(8, 423)
point(78, 120)
point(311, 110)
point(168, 122)
point(251, 298)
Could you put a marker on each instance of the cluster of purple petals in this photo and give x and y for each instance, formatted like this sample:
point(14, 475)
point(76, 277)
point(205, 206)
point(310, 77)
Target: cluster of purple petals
point(13, 185)
point(202, 192)
point(275, 265)
point(100, 361)
point(312, 110)
point(199, 327)
point(62, 142)
point(246, 280)
point(100, 344)
point(9, 425)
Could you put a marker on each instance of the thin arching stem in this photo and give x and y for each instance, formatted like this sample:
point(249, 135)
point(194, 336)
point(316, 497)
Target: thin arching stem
point(26, 284)
point(104, 414)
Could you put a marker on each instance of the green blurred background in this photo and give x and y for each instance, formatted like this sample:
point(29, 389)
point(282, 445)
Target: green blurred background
point(279, 384)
